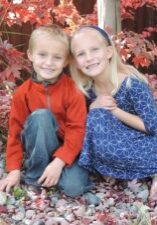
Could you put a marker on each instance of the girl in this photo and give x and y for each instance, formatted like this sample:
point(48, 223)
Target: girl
point(121, 132)
point(47, 121)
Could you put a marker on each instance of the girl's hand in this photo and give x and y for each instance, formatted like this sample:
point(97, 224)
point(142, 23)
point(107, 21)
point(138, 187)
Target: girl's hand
point(11, 180)
point(52, 173)
point(104, 101)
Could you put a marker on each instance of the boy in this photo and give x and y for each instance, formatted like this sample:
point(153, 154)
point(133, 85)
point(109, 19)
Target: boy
point(47, 120)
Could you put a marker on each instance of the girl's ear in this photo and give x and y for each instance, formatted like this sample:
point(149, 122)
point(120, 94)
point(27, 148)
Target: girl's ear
point(109, 52)
point(29, 54)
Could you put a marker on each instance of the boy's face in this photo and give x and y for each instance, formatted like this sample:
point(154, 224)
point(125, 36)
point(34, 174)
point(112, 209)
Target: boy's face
point(48, 57)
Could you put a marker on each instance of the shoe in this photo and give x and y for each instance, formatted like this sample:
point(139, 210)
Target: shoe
point(34, 188)
point(92, 199)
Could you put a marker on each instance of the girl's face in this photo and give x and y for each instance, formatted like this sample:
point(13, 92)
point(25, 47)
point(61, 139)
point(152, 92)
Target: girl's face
point(90, 52)
point(48, 56)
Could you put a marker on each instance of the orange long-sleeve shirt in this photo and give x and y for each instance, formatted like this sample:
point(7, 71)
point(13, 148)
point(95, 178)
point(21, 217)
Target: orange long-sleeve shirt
point(67, 104)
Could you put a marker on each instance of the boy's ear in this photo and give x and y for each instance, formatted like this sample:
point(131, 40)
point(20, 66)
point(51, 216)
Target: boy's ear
point(29, 55)
point(109, 52)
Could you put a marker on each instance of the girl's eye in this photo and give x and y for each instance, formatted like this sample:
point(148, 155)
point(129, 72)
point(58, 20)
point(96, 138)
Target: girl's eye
point(80, 54)
point(95, 49)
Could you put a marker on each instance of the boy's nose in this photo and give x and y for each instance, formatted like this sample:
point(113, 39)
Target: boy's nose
point(49, 61)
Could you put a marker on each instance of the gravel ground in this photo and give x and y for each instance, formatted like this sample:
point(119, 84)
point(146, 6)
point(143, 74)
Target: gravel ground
point(120, 203)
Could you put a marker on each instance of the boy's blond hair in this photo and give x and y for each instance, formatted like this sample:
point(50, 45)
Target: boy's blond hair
point(53, 31)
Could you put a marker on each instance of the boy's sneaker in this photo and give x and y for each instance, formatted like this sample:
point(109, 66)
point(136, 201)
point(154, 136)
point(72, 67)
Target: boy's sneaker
point(33, 188)
point(92, 199)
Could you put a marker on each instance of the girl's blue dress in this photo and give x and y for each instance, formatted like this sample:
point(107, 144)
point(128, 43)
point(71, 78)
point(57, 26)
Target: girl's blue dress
point(114, 149)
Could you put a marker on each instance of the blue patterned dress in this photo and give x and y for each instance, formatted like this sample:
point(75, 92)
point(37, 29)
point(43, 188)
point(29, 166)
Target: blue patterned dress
point(114, 149)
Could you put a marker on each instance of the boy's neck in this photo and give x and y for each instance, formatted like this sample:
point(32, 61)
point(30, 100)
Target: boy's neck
point(45, 82)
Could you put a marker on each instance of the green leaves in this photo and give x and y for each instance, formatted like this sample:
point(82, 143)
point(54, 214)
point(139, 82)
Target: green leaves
point(19, 193)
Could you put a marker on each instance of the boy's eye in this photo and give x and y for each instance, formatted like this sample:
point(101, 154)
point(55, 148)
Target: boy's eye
point(58, 57)
point(42, 54)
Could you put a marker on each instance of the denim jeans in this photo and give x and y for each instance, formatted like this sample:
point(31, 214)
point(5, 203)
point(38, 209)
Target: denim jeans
point(40, 141)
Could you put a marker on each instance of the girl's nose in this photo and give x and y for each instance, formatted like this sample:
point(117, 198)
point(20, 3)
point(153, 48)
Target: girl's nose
point(89, 56)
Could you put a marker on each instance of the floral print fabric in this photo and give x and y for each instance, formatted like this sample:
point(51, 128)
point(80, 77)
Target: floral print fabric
point(114, 149)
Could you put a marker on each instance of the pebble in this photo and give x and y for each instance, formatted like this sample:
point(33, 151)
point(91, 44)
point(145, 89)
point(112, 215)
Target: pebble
point(54, 200)
point(120, 204)
point(110, 202)
point(3, 198)
point(30, 214)
point(143, 195)
point(11, 200)
point(38, 222)
point(1, 172)
point(90, 211)
point(2, 222)
point(79, 212)
point(69, 216)
point(27, 221)
point(18, 216)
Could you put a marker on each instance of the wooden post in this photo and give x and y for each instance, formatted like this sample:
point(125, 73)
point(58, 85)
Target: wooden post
point(109, 14)
point(101, 13)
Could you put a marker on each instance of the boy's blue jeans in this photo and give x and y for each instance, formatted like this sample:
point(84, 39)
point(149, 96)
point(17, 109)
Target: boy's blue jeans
point(40, 141)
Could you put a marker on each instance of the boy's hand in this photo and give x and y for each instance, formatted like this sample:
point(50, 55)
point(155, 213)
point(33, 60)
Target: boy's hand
point(11, 180)
point(51, 174)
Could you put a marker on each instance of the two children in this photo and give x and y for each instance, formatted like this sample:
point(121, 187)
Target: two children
point(47, 121)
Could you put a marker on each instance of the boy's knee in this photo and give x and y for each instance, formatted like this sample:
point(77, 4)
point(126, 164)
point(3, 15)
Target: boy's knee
point(42, 117)
point(75, 181)
point(41, 113)
point(72, 189)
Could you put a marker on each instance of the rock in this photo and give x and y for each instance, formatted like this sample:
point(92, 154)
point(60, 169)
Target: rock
point(38, 222)
point(69, 216)
point(54, 200)
point(27, 221)
point(79, 212)
point(18, 216)
point(90, 211)
point(100, 195)
point(56, 221)
point(2, 222)
point(30, 214)
point(143, 195)
point(3, 198)
point(61, 204)
point(1, 172)
point(110, 202)
point(11, 200)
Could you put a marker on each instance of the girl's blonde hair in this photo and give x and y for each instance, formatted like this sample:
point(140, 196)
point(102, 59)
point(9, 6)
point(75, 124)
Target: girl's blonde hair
point(117, 65)
point(53, 31)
